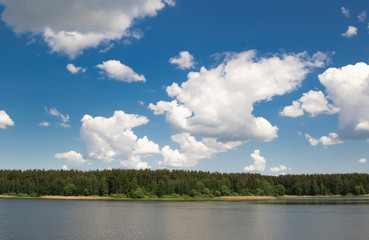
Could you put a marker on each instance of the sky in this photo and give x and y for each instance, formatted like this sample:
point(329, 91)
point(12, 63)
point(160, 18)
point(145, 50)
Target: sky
point(270, 87)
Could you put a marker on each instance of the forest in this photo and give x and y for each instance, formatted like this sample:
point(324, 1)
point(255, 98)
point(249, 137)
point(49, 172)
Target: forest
point(121, 183)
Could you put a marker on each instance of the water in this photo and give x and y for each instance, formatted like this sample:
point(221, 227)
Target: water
point(287, 219)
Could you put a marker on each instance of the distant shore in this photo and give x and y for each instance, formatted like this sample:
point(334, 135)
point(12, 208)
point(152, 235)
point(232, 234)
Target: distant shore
point(245, 198)
point(223, 198)
point(255, 198)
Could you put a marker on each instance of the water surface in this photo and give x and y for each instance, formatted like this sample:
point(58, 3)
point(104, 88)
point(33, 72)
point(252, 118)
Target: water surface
point(280, 219)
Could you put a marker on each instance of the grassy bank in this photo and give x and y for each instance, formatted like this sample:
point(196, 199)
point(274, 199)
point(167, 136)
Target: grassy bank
point(180, 198)
point(111, 198)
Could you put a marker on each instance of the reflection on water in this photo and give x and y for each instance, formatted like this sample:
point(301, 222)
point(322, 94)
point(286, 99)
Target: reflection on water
point(279, 219)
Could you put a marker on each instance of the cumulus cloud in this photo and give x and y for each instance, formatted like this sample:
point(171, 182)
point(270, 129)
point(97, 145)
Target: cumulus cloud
point(69, 26)
point(72, 157)
point(73, 69)
point(44, 124)
point(64, 119)
point(351, 31)
point(118, 71)
point(218, 103)
point(112, 139)
point(331, 139)
point(362, 16)
point(192, 150)
point(348, 88)
point(184, 60)
point(345, 12)
point(281, 168)
point(312, 102)
point(294, 110)
point(5, 120)
point(259, 162)
point(362, 160)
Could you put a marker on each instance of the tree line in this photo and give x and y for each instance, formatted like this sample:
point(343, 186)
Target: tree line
point(175, 183)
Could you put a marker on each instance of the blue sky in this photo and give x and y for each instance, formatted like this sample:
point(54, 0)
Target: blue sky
point(230, 86)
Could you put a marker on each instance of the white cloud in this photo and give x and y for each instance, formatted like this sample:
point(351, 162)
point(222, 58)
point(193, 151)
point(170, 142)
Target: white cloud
point(331, 139)
point(348, 88)
point(318, 60)
point(170, 2)
point(44, 124)
point(362, 160)
point(5, 120)
point(192, 150)
point(72, 157)
point(112, 139)
point(118, 71)
point(312, 141)
point(218, 103)
point(362, 126)
point(69, 26)
point(281, 168)
point(63, 118)
point(259, 162)
point(107, 49)
point(184, 60)
point(345, 12)
point(362, 16)
point(351, 31)
point(65, 167)
point(313, 102)
point(294, 110)
point(73, 69)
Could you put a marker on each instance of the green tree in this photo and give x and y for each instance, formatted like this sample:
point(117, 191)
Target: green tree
point(279, 190)
point(138, 193)
point(194, 193)
point(225, 191)
point(69, 189)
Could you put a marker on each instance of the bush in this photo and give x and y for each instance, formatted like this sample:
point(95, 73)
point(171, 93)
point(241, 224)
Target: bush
point(279, 190)
point(358, 190)
point(174, 195)
point(245, 192)
point(225, 190)
point(193, 193)
point(259, 192)
point(138, 193)
point(206, 191)
point(69, 189)
point(217, 193)
point(119, 195)
point(23, 195)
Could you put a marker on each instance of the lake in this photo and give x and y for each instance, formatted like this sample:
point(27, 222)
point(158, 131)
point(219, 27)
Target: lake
point(346, 218)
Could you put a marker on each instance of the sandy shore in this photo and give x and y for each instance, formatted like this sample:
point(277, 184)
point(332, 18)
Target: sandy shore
point(62, 197)
point(225, 198)
point(77, 197)
point(8, 196)
point(245, 198)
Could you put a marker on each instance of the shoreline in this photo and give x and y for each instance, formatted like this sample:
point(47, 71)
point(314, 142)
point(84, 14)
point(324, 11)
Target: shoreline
point(223, 198)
